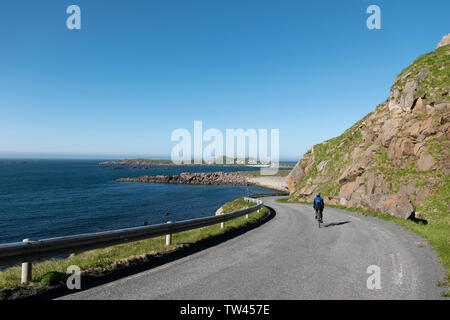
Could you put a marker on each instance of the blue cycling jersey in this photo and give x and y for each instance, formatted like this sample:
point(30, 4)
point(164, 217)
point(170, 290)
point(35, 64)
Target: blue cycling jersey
point(318, 200)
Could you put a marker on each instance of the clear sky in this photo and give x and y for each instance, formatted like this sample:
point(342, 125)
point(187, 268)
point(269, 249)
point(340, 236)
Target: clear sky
point(137, 70)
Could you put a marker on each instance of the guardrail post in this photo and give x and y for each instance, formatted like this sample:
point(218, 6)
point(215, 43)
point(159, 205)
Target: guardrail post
point(248, 200)
point(222, 225)
point(27, 269)
point(168, 237)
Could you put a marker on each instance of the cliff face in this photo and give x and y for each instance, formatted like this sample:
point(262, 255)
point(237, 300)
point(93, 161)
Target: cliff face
point(395, 159)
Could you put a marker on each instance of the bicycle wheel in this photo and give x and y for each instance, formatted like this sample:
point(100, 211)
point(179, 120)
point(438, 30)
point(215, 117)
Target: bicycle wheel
point(319, 218)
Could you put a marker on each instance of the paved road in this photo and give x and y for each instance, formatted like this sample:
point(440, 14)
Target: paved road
point(290, 258)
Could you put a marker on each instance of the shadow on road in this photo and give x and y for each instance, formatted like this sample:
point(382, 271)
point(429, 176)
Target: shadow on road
point(89, 281)
point(334, 224)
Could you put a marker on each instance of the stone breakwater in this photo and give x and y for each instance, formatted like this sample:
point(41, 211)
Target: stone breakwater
point(206, 178)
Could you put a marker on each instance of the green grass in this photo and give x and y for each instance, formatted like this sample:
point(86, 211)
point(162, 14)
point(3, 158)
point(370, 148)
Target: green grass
point(49, 272)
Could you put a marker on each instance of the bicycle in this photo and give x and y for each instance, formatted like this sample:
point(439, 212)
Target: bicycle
point(319, 215)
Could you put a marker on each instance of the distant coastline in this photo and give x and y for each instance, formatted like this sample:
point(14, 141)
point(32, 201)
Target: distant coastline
point(165, 162)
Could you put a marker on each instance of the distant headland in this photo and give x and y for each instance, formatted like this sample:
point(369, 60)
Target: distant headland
point(218, 161)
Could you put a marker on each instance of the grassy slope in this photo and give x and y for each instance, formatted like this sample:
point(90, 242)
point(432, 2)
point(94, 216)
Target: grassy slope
point(436, 82)
point(10, 278)
point(433, 88)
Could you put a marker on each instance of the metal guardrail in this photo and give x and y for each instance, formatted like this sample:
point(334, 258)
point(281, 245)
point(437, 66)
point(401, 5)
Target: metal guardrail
point(28, 251)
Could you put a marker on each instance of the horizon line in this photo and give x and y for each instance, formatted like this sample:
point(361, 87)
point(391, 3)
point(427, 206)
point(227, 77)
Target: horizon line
point(61, 156)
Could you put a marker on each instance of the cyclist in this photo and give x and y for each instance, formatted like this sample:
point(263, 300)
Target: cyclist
point(318, 207)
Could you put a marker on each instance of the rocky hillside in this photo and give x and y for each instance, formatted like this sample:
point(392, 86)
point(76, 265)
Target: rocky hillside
point(395, 160)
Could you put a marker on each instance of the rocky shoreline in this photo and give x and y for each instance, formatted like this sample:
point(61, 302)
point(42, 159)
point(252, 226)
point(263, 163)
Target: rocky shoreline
point(214, 178)
point(204, 178)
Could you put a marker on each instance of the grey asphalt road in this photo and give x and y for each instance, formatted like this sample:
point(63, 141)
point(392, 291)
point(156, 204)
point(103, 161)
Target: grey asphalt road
point(289, 257)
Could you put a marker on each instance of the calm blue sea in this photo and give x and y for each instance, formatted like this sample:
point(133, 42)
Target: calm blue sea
point(49, 198)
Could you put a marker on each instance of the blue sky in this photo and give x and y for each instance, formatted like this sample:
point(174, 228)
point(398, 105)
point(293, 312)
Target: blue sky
point(137, 70)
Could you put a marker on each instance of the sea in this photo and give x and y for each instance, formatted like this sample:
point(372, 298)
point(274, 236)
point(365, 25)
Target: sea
point(42, 199)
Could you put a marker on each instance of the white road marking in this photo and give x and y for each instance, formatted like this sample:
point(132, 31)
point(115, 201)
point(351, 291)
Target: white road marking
point(398, 269)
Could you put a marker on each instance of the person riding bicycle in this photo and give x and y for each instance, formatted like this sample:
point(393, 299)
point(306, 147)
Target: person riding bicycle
point(318, 206)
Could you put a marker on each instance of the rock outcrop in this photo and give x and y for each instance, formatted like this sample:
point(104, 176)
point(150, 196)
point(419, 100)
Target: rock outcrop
point(294, 177)
point(445, 41)
point(396, 157)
